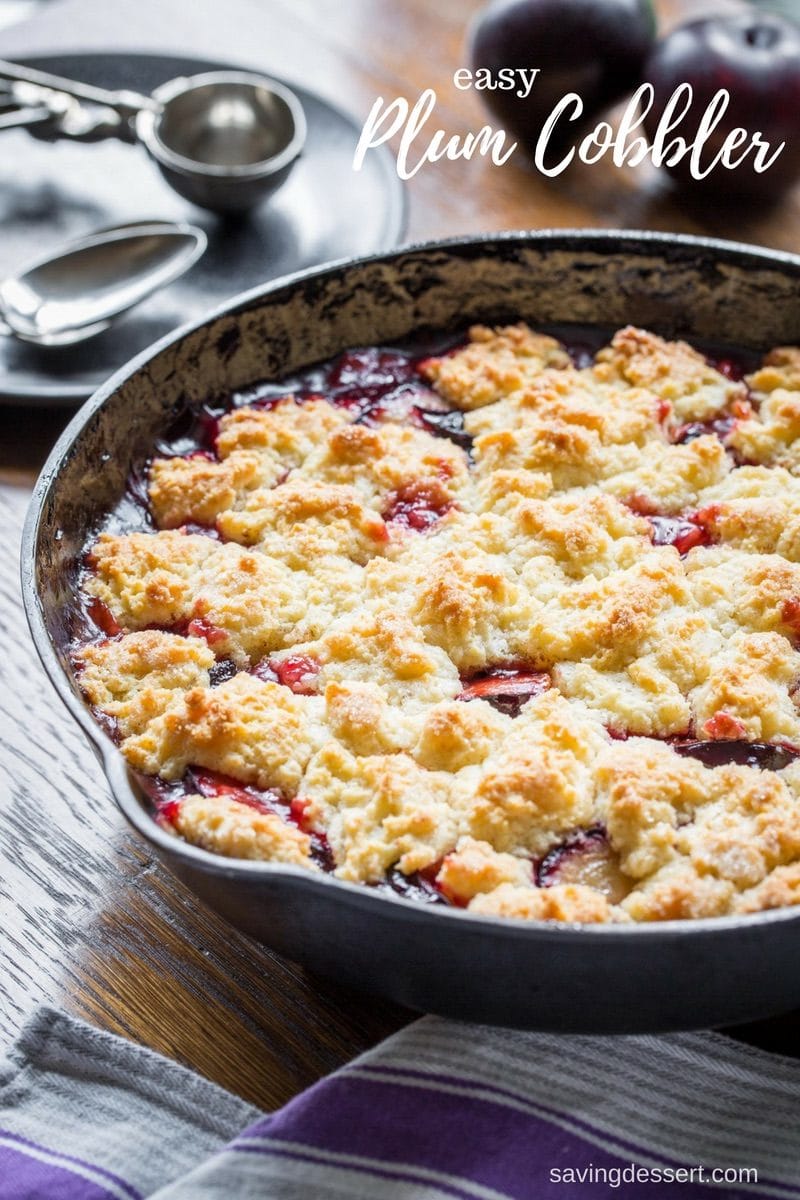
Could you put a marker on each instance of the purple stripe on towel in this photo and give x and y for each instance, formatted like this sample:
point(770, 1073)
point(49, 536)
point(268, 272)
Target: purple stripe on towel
point(26, 1178)
point(477, 1140)
point(519, 1097)
point(23, 1174)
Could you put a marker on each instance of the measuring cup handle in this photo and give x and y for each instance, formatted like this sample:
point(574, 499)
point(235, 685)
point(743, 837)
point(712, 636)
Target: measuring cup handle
point(26, 118)
point(125, 104)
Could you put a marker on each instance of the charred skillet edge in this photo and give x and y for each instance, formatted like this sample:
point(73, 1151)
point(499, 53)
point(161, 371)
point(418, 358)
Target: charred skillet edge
point(704, 275)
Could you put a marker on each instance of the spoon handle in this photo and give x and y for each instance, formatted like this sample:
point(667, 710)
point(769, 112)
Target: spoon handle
point(126, 104)
point(25, 116)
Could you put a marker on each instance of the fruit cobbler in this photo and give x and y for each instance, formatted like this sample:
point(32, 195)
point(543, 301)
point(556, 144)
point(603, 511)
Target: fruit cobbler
point(511, 626)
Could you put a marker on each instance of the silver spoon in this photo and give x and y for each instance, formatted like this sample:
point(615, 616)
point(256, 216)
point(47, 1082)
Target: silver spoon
point(76, 293)
point(224, 140)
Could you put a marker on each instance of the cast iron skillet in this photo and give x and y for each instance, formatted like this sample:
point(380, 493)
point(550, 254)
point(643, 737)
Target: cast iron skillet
point(672, 975)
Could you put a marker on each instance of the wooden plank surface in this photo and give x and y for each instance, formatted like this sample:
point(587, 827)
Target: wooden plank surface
point(87, 919)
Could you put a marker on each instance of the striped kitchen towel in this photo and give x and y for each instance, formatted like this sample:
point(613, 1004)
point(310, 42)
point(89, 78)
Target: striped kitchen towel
point(439, 1111)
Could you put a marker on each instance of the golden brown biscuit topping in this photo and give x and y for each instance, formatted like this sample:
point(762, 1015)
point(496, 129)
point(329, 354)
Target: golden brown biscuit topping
point(515, 632)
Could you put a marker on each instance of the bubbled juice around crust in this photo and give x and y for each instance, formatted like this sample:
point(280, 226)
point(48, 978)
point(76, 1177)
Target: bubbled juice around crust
point(376, 384)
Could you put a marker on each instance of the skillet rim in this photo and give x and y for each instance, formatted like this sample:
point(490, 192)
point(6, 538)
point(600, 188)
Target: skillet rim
point(356, 894)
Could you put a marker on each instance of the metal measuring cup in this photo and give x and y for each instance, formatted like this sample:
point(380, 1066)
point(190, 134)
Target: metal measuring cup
point(224, 140)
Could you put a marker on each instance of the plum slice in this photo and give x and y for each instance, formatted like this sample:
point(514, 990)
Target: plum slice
point(505, 688)
point(586, 858)
point(764, 755)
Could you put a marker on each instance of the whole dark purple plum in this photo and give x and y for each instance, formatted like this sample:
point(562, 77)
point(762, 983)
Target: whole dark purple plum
point(755, 57)
point(595, 48)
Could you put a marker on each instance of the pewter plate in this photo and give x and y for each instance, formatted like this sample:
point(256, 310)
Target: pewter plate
point(50, 193)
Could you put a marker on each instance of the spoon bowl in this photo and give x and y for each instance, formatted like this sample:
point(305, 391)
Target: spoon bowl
point(224, 140)
point(76, 293)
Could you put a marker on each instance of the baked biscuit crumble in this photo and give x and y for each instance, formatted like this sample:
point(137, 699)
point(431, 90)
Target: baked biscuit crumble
point(508, 629)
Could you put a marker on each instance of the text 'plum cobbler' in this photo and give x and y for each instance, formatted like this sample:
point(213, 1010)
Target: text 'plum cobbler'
point(505, 627)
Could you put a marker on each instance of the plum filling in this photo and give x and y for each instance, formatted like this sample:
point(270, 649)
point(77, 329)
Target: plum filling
point(101, 615)
point(298, 811)
point(370, 382)
point(298, 672)
point(729, 367)
point(193, 435)
point(108, 724)
point(417, 506)
point(320, 846)
point(790, 614)
point(448, 423)
point(418, 886)
point(201, 627)
point(132, 513)
point(167, 797)
point(582, 354)
point(222, 671)
point(585, 858)
point(721, 427)
point(211, 783)
point(505, 688)
point(263, 670)
point(723, 726)
point(684, 532)
point(680, 532)
point(374, 384)
point(192, 528)
point(722, 752)
point(371, 370)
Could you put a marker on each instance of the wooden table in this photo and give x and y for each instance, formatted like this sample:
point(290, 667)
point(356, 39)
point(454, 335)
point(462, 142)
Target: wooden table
point(88, 920)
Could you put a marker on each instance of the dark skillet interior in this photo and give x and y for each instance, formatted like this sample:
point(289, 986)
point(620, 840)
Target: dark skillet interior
point(591, 979)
